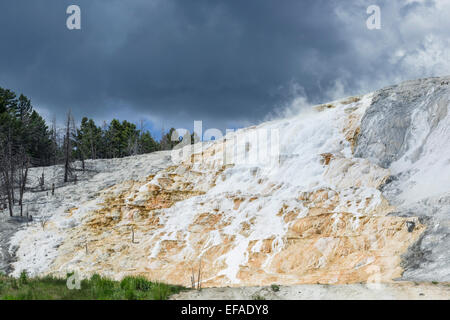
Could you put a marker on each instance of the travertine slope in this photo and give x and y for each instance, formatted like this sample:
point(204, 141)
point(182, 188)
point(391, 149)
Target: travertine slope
point(331, 195)
point(407, 130)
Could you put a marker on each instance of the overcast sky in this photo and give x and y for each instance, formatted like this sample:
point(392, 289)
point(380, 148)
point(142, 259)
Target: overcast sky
point(229, 63)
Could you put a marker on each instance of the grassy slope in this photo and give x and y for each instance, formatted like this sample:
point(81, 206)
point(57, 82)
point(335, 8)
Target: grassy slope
point(95, 288)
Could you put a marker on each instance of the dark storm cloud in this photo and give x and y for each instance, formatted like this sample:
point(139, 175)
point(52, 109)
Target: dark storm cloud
point(228, 62)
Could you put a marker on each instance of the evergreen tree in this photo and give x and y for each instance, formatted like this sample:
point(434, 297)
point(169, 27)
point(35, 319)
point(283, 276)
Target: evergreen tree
point(114, 139)
point(25, 140)
point(23, 108)
point(170, 140)
point(39, 140)
point(147, 143)
point(130, 139)
point(24, 126)
point(88, 139)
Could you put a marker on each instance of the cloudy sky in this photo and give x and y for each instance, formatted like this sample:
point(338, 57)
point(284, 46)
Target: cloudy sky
point(229, 63)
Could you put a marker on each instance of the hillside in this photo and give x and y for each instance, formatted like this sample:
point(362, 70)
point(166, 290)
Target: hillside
point(356, 190)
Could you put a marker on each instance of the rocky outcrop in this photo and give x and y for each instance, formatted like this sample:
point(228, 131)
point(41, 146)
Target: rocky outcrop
point(338, 203)
point(400, 119)
point(407, 130)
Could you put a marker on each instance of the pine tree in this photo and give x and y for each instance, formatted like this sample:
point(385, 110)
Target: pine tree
point(25, 140)
point(147, 143)
point(88, 139)
point(170, 139)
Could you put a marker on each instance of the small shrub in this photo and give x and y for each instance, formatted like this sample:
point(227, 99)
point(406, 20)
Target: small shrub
point(130, 295)
point(139, 283)
point(14, 284)
point(23, 279)
point(101, 288)
point(275, 287)
point(159, 292)
point(142, 284)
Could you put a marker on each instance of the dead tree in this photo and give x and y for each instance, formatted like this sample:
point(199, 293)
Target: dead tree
point(7, 169)
point(68, 147)
point(42, 180)
point(58, 135)
point(43, 221)
point(23, 176)
point(8, 187)
point(83, 166)
point(132, 145)
point(54, 141)
point(141, 133)
point(14, 174)
point(197, 283)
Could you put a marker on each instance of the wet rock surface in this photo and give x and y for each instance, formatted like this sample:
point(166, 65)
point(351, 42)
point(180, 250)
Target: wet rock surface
point(388, 125)
point(407, 129)
point(429, 258)
point(359, 193)
point(8, 227)
point(42, 205)
point(313, 215)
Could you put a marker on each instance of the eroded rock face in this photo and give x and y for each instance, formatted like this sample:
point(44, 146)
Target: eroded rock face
point(391, 124)
point(248, 224)
point(407, 130)
point(315, 213)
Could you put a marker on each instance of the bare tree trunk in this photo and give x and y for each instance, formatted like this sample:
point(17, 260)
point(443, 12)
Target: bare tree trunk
point(91, 140)
point(7, 182)
point(67, 149)
point(141, 133)
point(7, 171)
point(42, 181)
point(10, 204)
point(23, 180)
point(54, 141)
point(11, 166)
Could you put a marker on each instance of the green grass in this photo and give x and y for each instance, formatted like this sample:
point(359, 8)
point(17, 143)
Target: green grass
point(95, 288)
